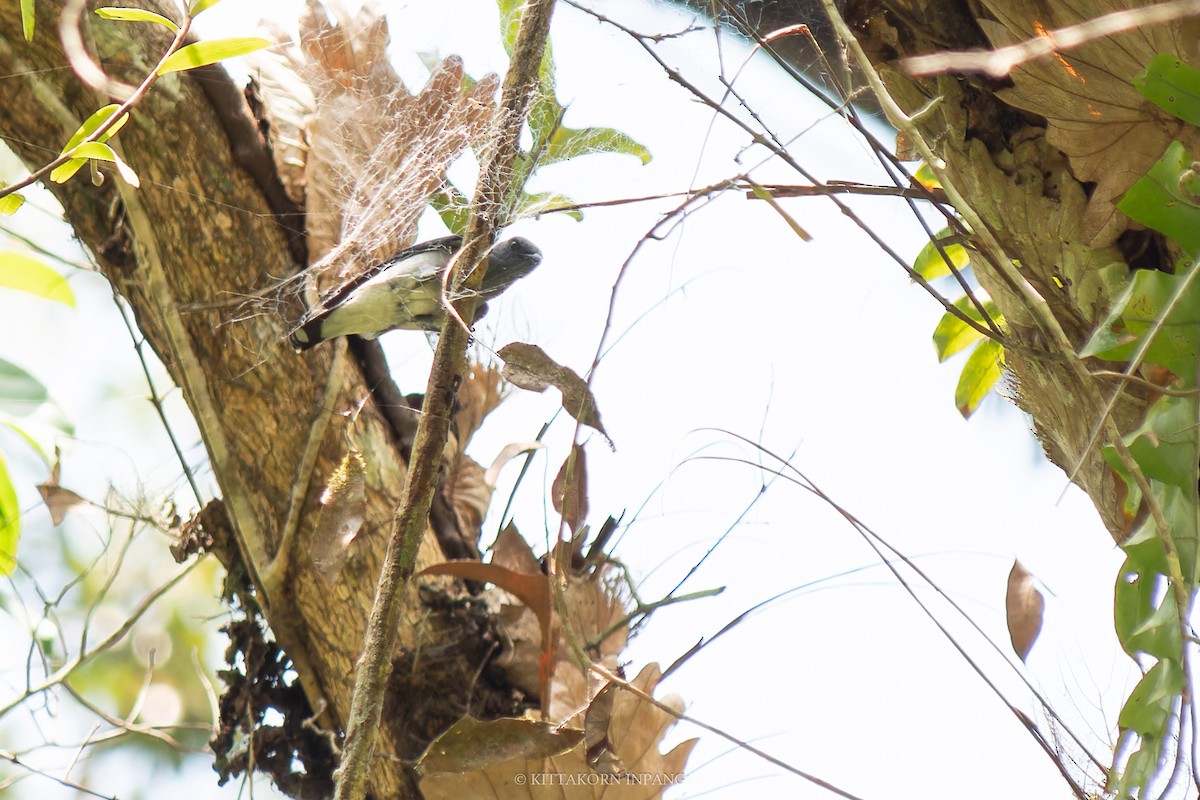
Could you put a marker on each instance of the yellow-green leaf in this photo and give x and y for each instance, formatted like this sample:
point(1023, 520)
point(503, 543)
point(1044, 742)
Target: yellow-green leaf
point(10, 522)
point(102, 152)
point(10, 203)
point(210, 52)
point(27, 17)
point(136, 15)
point(980, 374)
point(65, 171)
point(929, 263)
point(926, 177)
point(952, 335)
point(26, 274)
point(92, 124)
point(201, 5)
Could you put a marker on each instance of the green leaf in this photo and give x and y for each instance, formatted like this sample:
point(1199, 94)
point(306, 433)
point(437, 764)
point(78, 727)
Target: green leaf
point(210, 52)
point(1178, 341)
point(201, 5)
point(136, 15)
point(1149, 706)
point(1165, 445)
point(952, 335)
point(92, 124)
point(926, 177)
point(1140, 769)
point(10, 522)
point(27, 22)
point(1157, 200)
point(10, 203)
point(1171, 85)
point(453, 207)
point(567, 143)
point(979, 375)
point(20, 393)
point(1141, 626)
point(66, 170)
point(100, 152)
point(26, 274)
point(929, 263)
point(544, 203)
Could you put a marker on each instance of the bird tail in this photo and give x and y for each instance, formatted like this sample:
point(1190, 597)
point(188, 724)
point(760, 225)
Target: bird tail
point(307, 335)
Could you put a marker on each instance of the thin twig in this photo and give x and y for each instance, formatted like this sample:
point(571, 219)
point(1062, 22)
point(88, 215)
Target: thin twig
point(1001, 61)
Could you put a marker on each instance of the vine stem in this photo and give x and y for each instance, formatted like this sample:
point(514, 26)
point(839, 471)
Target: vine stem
point(113, 118)
point(449, 362)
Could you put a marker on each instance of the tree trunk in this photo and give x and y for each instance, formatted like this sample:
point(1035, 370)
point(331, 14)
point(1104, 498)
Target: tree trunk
point(201, 234)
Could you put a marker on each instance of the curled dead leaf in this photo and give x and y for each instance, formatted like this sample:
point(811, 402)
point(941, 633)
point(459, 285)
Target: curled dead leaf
point(470, 744)
point(528, 366)
point(568, 493)
point(56, 498)
point(1024, 606)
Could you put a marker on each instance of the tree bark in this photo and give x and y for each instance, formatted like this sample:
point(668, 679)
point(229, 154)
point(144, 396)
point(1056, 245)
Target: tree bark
point(198, 237)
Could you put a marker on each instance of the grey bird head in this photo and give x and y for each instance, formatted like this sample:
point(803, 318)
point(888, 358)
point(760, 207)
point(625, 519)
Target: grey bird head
point(508, 262)
point(405, 292)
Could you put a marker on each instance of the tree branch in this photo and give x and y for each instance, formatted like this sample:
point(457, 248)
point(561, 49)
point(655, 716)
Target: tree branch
point(449, 361)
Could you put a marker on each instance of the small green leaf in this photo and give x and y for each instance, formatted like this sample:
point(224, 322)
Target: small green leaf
point(92, 124)
point(27, 21)
point(20, 393)
point(926, 177)
point(1171, 85)
point(136, 15)
point(546, 202)
point(1148, 708)
point(27, 274)
point(65, 171)
point(101, 152)
point(952, 335)
point(1177, 344)
point(567, 143)
point(10, 522)
point(453, 207)
point(1165, 446)
point(201, 5)
point(9, 204)
point(1141, 626)
point(979, 375)
point(929, 263)
point(1158, 201)
point(210, 52)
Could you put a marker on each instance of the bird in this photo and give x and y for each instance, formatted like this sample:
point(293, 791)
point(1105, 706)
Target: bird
point(405, 291)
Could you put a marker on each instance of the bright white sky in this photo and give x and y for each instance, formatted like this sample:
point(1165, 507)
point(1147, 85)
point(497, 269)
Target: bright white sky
point(821, 351)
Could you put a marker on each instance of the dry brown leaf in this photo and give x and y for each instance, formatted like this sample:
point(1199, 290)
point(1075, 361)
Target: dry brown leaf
point(471, 744)
point(511, 551)
point(343, 510)
point(375, 153)
point(568, 493)
point(528, 366)
point(468, 493)
point(635, 729)
point(1109, 132)
point(598, 748)
point(56, 498)
point(479, 394)
point(1024, 605)
point(531, 589)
